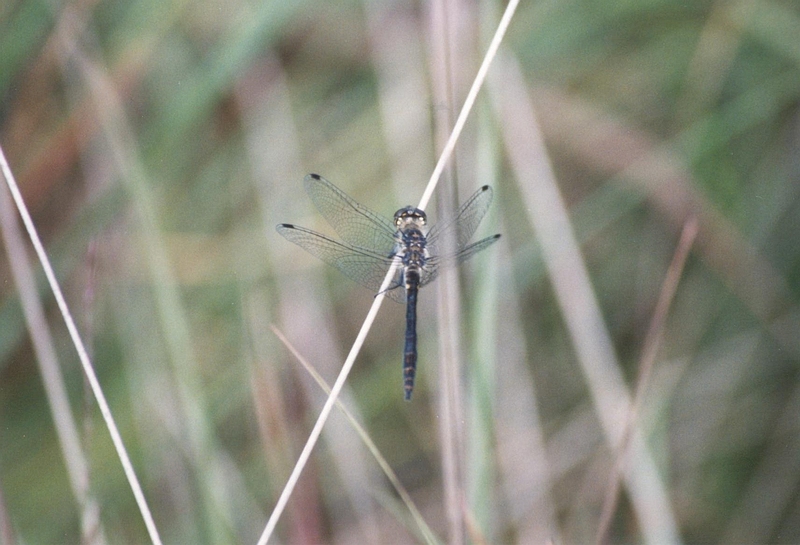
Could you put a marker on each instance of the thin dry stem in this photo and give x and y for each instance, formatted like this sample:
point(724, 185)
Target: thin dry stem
point(54, 387)
point(397, 54)
point(526, 475)
point(577, 301)
point(326, 409)
point(430, 537)
point(469, 101)
point(646, 364)
point(82, 354)
point(444, 18)
point(373, 311)
point(616, 149)
point(124, 151)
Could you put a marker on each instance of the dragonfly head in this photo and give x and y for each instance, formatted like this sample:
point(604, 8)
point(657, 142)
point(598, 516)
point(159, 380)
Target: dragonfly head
point(410, 216)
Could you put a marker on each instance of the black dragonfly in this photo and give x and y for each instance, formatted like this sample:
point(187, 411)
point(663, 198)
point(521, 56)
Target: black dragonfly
point(371, 242)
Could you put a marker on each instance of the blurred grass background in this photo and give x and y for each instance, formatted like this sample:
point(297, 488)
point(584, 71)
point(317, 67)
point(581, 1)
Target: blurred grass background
point(158, 143)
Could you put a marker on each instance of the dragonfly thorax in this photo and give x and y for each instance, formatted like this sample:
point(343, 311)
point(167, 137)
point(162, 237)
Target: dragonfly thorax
point(409, 217)
point(411, 248)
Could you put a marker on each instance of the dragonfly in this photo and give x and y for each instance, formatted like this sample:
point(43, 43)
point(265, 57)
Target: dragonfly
point(370, 244)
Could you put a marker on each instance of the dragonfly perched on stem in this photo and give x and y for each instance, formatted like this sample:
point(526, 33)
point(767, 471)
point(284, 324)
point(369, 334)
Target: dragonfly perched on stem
point(370, 243)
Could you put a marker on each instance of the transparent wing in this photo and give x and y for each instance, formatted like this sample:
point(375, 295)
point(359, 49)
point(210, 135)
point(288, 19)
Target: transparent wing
point(436, 264)
point(463, 224)
point(355, 223)
point(362, 265)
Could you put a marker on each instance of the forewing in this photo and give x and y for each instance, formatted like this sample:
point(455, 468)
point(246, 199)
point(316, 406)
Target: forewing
point(463, 224)
point(359, 264)
point(356, 224)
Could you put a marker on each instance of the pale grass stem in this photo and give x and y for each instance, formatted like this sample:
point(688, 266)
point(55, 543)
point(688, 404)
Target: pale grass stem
point(125, 155)
point(577, 301)
point(655, 333)
point(326, 408)
point(444, 17)
point(373, 311)
point(81, 349)
point(491, 52)
point(424, 529)
point(55, 390)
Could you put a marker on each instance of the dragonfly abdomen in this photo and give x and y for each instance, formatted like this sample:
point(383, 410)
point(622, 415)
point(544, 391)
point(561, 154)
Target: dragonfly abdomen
point(410, 352)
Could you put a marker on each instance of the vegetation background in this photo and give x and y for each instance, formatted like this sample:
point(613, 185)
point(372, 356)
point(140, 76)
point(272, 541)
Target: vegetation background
point(157, 143)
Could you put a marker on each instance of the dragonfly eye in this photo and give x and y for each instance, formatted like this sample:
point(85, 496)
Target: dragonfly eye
point(409, 215)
